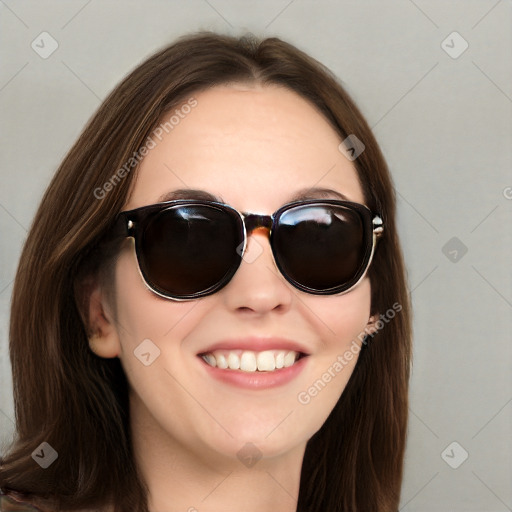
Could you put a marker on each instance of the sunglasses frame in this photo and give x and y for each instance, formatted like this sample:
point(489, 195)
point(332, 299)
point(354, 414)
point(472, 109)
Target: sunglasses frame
point(131, 224)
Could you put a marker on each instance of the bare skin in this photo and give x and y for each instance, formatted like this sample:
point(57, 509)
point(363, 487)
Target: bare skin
point(255, 147)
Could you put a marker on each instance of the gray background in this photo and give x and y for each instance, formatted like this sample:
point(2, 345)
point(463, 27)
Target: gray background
point(444, 124)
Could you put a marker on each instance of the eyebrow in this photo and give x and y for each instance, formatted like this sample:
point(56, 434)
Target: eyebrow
point(318, 193)
point(303, 194)
point(189, 193)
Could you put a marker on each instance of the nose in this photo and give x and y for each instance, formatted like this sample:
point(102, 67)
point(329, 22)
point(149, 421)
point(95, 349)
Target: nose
point(257, 286)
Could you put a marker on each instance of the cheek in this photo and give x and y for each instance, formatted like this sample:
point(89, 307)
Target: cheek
point(142, 315)
point(341, 319)
point(151, 330)
point(339, 323)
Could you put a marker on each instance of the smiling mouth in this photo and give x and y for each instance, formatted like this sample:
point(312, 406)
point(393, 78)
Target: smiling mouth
point(251, 361)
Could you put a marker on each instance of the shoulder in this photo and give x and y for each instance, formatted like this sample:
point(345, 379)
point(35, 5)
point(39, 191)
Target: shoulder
point(13, 501)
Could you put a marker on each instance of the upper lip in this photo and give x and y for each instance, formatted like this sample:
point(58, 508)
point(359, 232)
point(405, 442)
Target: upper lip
point(255, 344)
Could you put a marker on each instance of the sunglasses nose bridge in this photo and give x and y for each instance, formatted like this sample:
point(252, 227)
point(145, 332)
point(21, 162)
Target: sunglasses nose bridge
point(255, 221)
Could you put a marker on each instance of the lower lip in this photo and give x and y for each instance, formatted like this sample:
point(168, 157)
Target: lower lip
point(256, 380)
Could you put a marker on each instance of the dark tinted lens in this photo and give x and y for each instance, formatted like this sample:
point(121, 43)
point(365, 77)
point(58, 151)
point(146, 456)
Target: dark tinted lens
point(320, 247)
point(189, 249)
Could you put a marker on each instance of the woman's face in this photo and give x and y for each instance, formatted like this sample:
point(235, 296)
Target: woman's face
point(255, 148)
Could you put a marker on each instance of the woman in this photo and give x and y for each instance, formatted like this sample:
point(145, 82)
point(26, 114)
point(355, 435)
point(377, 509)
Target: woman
point(210, 311)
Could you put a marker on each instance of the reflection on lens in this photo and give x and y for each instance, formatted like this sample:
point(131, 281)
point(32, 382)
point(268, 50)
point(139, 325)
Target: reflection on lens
point(320, 247)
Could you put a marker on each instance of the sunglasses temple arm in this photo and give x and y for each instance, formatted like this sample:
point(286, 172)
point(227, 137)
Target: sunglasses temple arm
point(376, 235)
point(122, 227)
point(378, 227)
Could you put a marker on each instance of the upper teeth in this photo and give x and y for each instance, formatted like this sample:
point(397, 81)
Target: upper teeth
point(250, 361)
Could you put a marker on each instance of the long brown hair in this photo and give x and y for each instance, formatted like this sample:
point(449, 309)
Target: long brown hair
point(77, 402)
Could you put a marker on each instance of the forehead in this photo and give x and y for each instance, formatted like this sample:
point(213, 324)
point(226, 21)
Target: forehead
point(254, 146)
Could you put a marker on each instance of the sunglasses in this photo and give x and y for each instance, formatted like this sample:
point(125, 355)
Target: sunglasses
point(188, 249)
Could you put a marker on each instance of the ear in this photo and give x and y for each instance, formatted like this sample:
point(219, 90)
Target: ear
point(104, 339)
point(371, 325)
